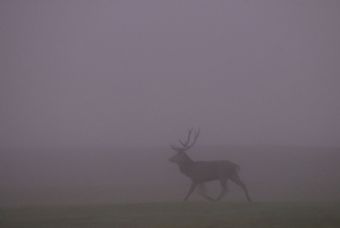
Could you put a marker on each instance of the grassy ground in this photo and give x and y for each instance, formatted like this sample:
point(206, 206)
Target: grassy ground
point(191, 214)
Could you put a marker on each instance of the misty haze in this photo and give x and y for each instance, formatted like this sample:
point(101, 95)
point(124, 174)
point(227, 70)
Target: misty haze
point(95, 93)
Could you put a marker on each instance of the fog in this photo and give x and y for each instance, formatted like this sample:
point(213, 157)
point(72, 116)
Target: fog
point(93, 93)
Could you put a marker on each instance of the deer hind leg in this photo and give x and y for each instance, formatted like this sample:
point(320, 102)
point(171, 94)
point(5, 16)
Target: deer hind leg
point(191, 189)
point(237, 180)
point(202, 191)
point(224, 189)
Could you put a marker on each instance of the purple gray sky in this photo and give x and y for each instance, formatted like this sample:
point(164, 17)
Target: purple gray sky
point(138, 73)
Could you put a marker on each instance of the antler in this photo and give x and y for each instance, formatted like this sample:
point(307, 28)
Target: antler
point(188, 138)
point(187, 145)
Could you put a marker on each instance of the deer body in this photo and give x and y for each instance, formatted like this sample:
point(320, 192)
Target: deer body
point(204, 171)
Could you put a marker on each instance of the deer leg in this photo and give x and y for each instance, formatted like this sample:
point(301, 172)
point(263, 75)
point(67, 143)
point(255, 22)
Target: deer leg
point(223, 190)
point(191, 189)
point(202, 191)
point(236, 179)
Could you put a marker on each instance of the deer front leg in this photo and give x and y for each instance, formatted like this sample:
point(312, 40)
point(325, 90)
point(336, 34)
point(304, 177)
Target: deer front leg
point(202, 191)
point(191, 189)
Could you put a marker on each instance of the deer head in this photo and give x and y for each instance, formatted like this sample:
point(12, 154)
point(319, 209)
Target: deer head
point(181, 156)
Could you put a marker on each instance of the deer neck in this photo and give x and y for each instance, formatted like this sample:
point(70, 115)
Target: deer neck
point(185, 166)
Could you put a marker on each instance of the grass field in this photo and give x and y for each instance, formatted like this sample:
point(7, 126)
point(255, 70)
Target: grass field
point(191, 214)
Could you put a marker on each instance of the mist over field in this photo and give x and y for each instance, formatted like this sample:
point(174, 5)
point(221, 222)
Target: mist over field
point(92, 93)
point(104, 176)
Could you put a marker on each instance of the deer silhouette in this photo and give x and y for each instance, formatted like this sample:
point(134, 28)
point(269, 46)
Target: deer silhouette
point(201, 172)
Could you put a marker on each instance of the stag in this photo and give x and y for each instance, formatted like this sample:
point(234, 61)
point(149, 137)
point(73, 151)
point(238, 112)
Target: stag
point(201, 172)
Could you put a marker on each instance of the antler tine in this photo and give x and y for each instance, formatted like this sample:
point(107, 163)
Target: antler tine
point(197, 133)
point(181, 142)
point(185, 144)
point(189, 135)
point(174, 147)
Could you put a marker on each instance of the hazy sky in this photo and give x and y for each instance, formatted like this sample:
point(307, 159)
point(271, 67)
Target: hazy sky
point(109, 73)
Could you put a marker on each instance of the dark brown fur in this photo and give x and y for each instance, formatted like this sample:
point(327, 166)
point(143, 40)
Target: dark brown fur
point(201, 172)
